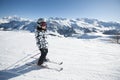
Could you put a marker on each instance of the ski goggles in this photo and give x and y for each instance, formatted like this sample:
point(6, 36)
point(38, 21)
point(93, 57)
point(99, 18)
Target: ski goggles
point(43, 24)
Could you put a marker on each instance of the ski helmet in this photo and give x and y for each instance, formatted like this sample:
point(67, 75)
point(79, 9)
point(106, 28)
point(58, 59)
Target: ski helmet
point(40, 20)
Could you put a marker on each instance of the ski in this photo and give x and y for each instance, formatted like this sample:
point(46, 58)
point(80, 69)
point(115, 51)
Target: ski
point(46, 67)
point(54, 62)
point(56, 69)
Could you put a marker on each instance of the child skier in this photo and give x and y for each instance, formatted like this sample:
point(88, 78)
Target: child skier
point(41, 41)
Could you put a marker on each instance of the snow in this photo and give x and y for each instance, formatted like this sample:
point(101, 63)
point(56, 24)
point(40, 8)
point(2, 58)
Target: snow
point(83, 59)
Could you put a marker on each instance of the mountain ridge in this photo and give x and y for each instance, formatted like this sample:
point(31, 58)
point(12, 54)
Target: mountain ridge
point(62, 26)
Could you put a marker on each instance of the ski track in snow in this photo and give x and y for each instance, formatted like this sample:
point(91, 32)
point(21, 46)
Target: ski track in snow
point(83, 59)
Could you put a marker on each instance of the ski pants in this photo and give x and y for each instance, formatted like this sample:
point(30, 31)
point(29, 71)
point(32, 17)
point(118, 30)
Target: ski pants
point(43, 56)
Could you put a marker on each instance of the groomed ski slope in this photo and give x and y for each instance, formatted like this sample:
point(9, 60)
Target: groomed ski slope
point(83, 59)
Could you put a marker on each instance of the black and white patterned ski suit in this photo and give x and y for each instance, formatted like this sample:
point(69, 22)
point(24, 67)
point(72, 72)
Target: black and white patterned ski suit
point(41, 41)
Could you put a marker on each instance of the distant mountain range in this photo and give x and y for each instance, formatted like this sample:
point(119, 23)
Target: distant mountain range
point(62, 26)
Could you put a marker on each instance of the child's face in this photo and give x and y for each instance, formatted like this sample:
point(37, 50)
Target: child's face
point(43, 27)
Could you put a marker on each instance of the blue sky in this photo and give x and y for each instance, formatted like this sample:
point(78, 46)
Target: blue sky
point(105, 10)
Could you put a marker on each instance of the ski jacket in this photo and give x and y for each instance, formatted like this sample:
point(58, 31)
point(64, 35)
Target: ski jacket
point(41, 38)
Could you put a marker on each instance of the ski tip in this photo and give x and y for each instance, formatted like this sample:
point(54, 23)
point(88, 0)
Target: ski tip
point(60, 69)
point(61, 63)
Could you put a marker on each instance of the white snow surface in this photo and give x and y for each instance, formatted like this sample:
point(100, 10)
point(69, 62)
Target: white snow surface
point(83, 59)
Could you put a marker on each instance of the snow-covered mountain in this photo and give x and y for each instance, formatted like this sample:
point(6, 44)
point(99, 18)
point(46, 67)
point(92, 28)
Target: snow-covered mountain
point(63, 26)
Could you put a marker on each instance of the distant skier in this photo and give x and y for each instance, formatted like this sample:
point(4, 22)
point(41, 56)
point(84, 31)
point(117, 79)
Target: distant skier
point(41, 40)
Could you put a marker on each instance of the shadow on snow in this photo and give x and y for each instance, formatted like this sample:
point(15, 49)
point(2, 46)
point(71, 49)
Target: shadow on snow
point(17, 71)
